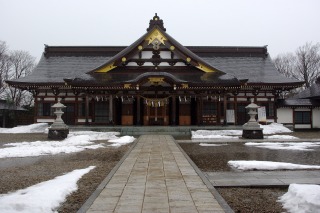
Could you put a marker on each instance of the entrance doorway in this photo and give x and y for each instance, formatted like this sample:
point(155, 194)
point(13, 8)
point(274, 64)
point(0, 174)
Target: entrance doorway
point(68, 117)
point(155, 112)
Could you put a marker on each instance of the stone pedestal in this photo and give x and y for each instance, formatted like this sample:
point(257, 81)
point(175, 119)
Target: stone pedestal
point(58, 130)
point(252, 129)
point(58, 134)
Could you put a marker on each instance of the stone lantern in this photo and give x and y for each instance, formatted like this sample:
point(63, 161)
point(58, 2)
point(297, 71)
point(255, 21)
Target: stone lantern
point(58, 130)
point(252, 129)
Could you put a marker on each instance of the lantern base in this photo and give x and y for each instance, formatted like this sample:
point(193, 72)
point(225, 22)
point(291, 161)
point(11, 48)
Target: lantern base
point(252, 134)
point(58, 134)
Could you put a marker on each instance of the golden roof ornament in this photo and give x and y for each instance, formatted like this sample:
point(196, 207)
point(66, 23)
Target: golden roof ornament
point(156, 21)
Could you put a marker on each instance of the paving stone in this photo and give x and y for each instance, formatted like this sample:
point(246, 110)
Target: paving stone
point(155, 177)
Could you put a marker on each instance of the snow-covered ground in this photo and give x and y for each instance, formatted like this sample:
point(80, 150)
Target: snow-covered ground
point(300, 146)
point(43, 197)
point(268, 165)
point(273, 128)
point(33, 128)
point(212, 144)
point(76, 141)
point(301, 198)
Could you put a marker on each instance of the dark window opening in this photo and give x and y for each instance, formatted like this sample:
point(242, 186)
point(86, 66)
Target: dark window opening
point(302, 117)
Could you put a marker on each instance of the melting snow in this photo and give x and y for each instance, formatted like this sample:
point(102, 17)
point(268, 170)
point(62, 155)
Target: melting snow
point(211, 144)
point(43, 197)
point(33, 128)
point(268, 165)
point(301, 146)
point(301, 198)
point(75, 142)
point(273, 128)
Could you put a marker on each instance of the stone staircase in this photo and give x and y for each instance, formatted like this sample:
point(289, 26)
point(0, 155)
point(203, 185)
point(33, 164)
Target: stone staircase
point(156, 130)
point(152, 130)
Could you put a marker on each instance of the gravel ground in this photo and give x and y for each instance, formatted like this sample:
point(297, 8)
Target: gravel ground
point(19, 173)
point(249, 199)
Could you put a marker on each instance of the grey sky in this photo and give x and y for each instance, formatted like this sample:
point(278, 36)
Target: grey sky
point(283, 25)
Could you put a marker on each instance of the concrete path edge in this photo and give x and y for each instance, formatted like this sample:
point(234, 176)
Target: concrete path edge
point(215, 193)
point(84, 208)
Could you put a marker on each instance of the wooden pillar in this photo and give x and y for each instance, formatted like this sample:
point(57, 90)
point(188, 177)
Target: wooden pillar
point(110, 109)
point(35, 113)
point(138, 110)
point(76, 110)
point(200, 110)
point(174, 111)
point(87, 110)
point(219, 110)
point(4, 114)
point(225, 109)
point(275, 114)
point(235, 99)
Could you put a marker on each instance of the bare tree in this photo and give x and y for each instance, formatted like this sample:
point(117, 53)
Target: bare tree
point(13, 65)
point(308, 63)
point(304, 65)
point(22, 64)
point(285, 64)
point(4, 66)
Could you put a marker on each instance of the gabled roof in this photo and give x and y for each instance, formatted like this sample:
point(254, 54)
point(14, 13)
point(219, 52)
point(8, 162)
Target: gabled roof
point(156, 31)
point(231, 64)
point(313, 92)
point(298, 103)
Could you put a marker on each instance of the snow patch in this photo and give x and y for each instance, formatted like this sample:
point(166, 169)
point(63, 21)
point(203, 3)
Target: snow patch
point(43, 197)
point(280, 137)
point(301, 198)
point(211, 144)
point(75, 142)
point(273, 128)
point(268, 165)
point(299, 146)
point(33, 128)
point(121, 141)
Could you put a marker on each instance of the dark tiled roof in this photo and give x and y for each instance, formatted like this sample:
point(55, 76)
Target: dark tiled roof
point(256, 69)
point(298, 103)
point(116, 76)
point(178, 48)
point(70, 62)
point(311, 92)
point(55, 69)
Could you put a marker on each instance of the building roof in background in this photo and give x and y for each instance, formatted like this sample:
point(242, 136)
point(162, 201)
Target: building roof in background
point(312, 92)
point(229, 63)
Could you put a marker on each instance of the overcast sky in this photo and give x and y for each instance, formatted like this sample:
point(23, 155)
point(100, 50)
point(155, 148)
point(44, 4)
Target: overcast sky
point(283, 25)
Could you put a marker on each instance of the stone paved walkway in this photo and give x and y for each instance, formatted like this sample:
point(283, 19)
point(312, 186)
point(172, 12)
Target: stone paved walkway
point(155, 177)
point(263, 178)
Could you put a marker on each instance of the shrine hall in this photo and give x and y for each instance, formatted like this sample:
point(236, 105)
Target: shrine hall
point(155, 81)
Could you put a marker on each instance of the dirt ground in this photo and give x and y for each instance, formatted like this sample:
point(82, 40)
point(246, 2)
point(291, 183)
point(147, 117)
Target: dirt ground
point(19, 173)
point(249, 199)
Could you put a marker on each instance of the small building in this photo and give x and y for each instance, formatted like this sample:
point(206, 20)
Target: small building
point(155, 81)
point(303, 110)
point(5, 109)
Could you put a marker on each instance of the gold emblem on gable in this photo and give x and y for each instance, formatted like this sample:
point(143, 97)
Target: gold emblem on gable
point(156, 80)
point(155, 34)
